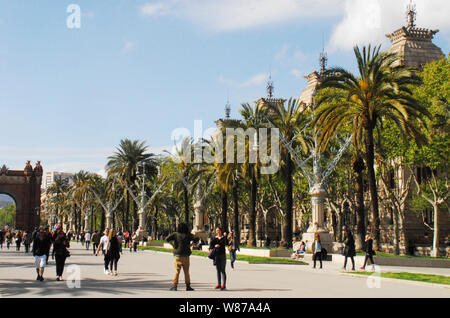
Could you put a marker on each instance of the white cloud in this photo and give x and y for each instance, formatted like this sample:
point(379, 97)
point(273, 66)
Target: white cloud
point(255, 80)
point(362, 21)
point(221, 15)
point(281, 55)
point(297, 73)
point(128, 46)
point(369, 21)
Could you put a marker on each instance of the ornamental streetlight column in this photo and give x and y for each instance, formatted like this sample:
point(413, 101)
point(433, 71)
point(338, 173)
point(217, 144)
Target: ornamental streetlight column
point(141, 231)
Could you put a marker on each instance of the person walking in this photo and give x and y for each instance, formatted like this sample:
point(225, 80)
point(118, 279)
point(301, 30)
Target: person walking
point(104, 246)
point(219, 243)
point(135, 241)
point(18, 240)
point(87, 238)
point(113, 251)
point(41, 246)
point(317, 248)
point(9, 237)
point(60, 251)
point(28, 238)
point(181, 241)
point(2, 238)
point(95, 241)
point(349, 249)
point(82, 238)
point(369, 252)
point(120, 238)
point(233, 246)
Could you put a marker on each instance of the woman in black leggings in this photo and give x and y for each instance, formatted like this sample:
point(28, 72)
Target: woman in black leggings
point(114, 252)
point(60, 251)
point(219, 243)
point(369, 252)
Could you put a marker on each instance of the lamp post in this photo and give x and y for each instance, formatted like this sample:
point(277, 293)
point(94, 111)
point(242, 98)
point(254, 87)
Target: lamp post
point(318, 196)
point(141, 231)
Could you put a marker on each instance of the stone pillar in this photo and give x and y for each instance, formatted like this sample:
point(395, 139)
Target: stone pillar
point(199, 213)
point(318, 195)
point(109, 221)
point(141, 231)
point(87, 215)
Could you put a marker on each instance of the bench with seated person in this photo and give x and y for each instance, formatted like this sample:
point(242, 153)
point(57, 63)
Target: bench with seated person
point(299, 249)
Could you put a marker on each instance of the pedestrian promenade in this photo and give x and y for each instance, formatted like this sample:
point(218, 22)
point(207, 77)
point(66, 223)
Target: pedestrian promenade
point(149, 274)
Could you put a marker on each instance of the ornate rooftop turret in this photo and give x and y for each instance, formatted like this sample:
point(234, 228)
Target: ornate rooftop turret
point(414, 45)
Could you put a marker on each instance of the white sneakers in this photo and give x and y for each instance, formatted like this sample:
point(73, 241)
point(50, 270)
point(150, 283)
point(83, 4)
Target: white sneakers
point(107, 272)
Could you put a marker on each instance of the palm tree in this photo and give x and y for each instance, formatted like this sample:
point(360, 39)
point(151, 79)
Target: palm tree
point(253, 118)
point(78, 192)
point(59, 190)
point(124, 164)
point(290, 122)
point(380, 92)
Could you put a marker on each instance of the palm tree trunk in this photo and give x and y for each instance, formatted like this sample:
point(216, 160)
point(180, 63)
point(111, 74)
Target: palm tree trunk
point(287, 226)
point(236, 211)
point(103, 220)
point(254, 191)
point(358, 167)
point(224, 223)
point(186, 206)
point(370, 156)
point(155, 223)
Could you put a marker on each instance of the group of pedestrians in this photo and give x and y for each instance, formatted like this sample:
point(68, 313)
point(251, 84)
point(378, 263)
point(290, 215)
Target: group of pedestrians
point(110, 244)
point(17, 237)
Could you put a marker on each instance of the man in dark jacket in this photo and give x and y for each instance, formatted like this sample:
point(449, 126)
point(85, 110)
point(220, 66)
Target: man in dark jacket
point(181, 241)
point(41, 249)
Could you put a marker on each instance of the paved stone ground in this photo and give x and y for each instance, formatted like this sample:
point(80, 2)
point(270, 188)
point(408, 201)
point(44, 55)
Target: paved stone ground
point(149, 274)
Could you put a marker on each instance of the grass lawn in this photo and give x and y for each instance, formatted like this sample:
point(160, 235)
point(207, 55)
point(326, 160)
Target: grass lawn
point(246, 258)
point(428, 278)
point(402, 256)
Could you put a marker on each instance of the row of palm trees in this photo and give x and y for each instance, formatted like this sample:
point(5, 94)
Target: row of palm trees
point(347, 103)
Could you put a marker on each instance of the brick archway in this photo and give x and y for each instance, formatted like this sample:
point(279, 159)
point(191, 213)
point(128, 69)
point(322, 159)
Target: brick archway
point(25, 188)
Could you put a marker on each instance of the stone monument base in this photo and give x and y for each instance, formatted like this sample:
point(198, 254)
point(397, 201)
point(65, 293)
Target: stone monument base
point(200, 234)
point(141, 234)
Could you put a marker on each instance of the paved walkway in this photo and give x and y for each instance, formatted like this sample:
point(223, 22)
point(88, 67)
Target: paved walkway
point(149, 274)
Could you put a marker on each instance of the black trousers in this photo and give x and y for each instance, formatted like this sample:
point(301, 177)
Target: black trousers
point(106, 259)
point(368, 256)
point(113, 261)
point(317, 255)
point(221, 262)
point(60, 262)
point(353, 261)
point(94, 247)
point(27, 248)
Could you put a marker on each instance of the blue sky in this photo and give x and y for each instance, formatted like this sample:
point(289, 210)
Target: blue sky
point(139, 69)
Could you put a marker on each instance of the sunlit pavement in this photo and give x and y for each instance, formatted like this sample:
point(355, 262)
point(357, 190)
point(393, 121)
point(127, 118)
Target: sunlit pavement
point(150, 274)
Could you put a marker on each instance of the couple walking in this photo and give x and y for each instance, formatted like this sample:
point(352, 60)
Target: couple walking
point(110, 246)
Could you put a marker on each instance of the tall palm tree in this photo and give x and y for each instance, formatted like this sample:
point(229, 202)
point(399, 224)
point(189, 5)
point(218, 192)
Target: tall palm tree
point(253, 118)
point(78, 192)
point(124, 163)
point(59, 190)
point(380, 92)
point(290, 121)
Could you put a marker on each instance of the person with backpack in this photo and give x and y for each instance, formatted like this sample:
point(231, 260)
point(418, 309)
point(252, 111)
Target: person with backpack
point(181, 241)
point(233, 246)
point(317, 249)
